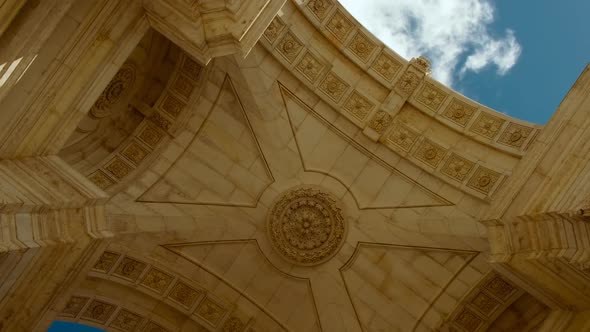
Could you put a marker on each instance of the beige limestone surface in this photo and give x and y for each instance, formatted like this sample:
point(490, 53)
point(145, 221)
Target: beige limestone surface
point(146, 148)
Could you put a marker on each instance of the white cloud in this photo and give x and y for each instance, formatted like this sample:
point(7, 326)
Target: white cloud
point(443, 30)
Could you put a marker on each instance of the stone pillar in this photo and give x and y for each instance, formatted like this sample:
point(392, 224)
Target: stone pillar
point(212, 28)
point(549, 253)
point(414, 74)
point(537, 225)
point(45, 202)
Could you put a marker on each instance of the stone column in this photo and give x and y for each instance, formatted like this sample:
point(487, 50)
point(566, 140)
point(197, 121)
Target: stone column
point(549, 253)
point(537, 225)
point(212, 28)
point(44, 202)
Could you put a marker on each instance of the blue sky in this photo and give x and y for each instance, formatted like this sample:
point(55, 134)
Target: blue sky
point(59, 326)
point(517, 57)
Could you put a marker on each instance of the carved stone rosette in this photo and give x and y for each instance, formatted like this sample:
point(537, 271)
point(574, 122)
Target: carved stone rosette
point(306, 225)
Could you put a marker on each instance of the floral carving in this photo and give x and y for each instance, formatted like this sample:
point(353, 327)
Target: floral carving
point(153, 327)
point(134, 152)
point(130, 268)
point(386, 66)
point(183, 86)
point(101, 180)
point(380, 121)
point(320, 8)
point(191, 68)
point(184, 294)
point(457, 167)
point(422, 63)
point(487, 125)
point(306, 226)
point(274, 29)
point(310, 67)
point(358, 105)
point(98, 311)
point(340, 26)
point(459, 112)
point(233, 324)
point(468, 320)
point(150, 136)
point(403, 137)
point(333, 86)
point(120, 83)
point(74, 306)
point(160, 121)
point(483, 180)
point(361, 46)
point(157, 280)
point(500, 287)
point(210, 311)
point(485, 303)
point(118, 168)
point(289, 47)
point(431, 96)
point(406, 85)
point(430, 153)
point(106, 261)
point(172, 105)
point(126, 320)
point(515, 135)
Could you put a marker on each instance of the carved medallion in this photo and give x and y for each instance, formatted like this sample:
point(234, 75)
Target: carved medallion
point(306, 226)
point(123, 79)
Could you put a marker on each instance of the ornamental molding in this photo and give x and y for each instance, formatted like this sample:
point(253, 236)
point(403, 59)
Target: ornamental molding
point(306, 225)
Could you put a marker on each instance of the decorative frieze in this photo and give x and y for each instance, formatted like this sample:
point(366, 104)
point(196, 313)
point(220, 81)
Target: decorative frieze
point(190, 68)
point(483, 180)
point(74, 306)
point(274, 29)
point(157, 280)
point(150, 135)
point(118, 168)
point(358, 105)
point(386, 66)
point(233, 324)
point(431, 96)
point(100, 179)
point(106, 261)
point(129, 268)
point(333, 86)
point(172, 105)
point(134, 153)
point(184, 294)
point(515, 135)
point(340, 26)
point(310, 66)
point(126, 320)
point(487, 125)
point(402, 137)
point(430, 153)
point(183, 86)
point(457, 167)
point(289, 47)
point(459, 112)
point(210, 311)
point(98, 311)
point(320, 8)
point(406, 85)
point(361, 46)
point(484, 303)
point(380, 121)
